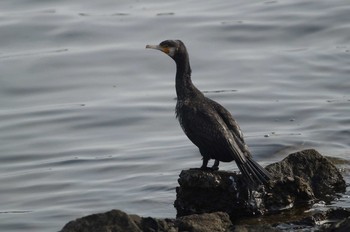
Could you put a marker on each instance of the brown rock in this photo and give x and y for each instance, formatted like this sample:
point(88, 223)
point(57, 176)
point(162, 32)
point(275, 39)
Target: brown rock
point(321, 174)
point(213, 222)
point(112, 221)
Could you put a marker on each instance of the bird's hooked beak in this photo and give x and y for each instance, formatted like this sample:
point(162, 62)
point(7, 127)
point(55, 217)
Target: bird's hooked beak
point(166, 50)
point(158, 47)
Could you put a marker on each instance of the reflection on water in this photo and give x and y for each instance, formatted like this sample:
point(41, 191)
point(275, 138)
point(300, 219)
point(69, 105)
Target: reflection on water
point(87, 114)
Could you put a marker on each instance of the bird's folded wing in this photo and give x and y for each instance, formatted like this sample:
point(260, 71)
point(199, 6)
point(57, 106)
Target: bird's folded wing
point(205, 128)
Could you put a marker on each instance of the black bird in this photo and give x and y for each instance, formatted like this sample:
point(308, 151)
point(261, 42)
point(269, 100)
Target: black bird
point(208, 124)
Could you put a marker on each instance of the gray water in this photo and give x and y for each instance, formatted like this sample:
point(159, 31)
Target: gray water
point(87, 113)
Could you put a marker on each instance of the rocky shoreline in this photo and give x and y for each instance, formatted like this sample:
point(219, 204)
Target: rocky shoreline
point(336, 220)
point(220, 201)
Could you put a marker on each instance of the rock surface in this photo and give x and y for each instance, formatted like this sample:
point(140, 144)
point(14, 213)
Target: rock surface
point(299, 179)
point(215, 222)
point(336, 220)
point(114, 220)
point(317, 171)
point(118, 221)
point(207, 192)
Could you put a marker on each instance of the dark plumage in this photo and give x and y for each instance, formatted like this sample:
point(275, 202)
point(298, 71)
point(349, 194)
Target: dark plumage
point(208, 124)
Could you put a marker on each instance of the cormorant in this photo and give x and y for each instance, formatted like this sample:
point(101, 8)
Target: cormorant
point(208, 124)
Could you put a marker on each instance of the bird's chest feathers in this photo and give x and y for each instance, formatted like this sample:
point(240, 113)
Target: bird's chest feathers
point(189, 114)
point(185, 112)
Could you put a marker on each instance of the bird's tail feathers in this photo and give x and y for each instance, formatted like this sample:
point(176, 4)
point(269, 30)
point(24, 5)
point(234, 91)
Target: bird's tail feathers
point(254, 174)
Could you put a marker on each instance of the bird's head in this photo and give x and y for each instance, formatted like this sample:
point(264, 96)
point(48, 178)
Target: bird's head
point(172, 48)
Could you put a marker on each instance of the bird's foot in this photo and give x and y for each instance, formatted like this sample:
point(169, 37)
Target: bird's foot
point(216, 165)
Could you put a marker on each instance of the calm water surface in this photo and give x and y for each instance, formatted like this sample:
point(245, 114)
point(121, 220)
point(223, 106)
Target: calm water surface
point(87, 113)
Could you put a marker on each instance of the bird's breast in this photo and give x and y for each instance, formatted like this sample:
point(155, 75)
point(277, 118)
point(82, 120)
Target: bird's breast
point(184, 113)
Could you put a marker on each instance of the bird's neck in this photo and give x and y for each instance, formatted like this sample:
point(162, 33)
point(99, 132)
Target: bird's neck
point(184, 86)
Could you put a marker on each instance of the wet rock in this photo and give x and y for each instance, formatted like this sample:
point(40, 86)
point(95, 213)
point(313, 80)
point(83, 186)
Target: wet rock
point(336, 219)
point(325, 220)
point(339, 218)
point(214, 222)
point(286, 193)
point(114, 220)
point(119, 221)
point(255, 228)
point(150, 224)
point(208, 191)
point(316, 170)
point(300, 179)
point(341, 226)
